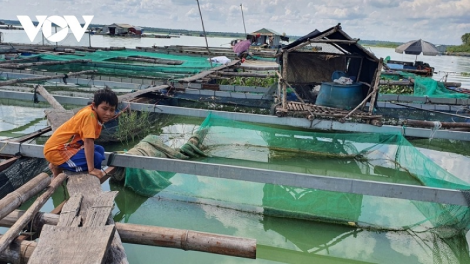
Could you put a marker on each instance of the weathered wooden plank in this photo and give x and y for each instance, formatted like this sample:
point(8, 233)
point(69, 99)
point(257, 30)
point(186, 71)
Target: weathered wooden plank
point(87, 185)
point(7, 163)
point(30, 213)
point(70, 245)
point(90, 187)
point(49, 98)
point(205, 73)
point(99, 213)
point(56, 118)
point(69, 214)
point(127, 97)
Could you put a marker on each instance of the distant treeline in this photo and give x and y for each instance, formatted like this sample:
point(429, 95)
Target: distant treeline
point(380, 43)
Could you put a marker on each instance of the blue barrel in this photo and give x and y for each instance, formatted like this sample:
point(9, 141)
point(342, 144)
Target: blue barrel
point(344, 96)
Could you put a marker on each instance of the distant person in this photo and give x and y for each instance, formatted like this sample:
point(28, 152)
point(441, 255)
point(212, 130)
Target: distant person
point(72, 146)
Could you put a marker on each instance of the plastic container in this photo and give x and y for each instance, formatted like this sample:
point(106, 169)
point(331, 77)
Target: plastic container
point(344, 96)
point(337, 75)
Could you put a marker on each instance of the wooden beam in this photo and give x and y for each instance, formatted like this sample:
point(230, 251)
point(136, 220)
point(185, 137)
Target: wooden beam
point(33, 209)
point(49, 98)
point(130, 96)
point(375, 87)
point(7, 163)
point(14, 199)
point(340, 41)
point(32, 64)
point(19, 251)
point(307, 42)
point(43, 78)
point(152, 60)
point(205, 73)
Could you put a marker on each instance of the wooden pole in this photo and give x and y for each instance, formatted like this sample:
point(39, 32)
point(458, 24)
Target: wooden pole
point(204, 30)
point(284, 76)
point(25, 65)
point(18, 252)
point(245, 74)
point(161, 236)
point(43, 78)
point(14, 199)
point(243, 18)
point(49, 98)
point(375, 86)
point(29, 214)
point(155, 60)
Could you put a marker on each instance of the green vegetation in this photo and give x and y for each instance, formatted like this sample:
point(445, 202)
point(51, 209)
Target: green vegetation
point(465, 47)
point(378, 43)
point(249, 81)
point(132, 124)
point(465, 74)
point(395, 89)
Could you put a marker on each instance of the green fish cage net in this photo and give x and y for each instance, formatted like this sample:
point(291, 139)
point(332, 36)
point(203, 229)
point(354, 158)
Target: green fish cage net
point(387, 158)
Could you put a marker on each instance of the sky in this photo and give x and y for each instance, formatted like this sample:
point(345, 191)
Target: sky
point(437, 21)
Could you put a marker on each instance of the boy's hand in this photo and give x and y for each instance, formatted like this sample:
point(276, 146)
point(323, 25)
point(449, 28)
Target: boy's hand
point(96, 172)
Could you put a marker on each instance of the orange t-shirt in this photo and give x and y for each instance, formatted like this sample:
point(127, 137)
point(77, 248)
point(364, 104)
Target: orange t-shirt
point(67, 140)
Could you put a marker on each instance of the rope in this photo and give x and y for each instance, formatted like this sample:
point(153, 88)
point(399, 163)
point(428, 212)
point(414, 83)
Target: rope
point(437, 126)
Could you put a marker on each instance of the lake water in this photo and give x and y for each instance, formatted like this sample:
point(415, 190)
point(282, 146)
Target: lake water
point(452, 66)
point(279, 240)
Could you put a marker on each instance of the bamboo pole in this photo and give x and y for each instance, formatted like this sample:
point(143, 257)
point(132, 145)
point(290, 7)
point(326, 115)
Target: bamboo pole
point(29, 214)
point(341, 41)
point(375, 87)
point(153, 60)
point(245, 74)
point(187, 240)
point(14, 199)
point(49, 98)
point(19, 251)
point(161, 236)
point(43, 78)
point(431, 124)
point(25, 65)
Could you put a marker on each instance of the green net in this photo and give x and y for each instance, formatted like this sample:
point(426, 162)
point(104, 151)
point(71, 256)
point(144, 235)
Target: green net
point(108, 63)
point(376, 157)
point(426, 86)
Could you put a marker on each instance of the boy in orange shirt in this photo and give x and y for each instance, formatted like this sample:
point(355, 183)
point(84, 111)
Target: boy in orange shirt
point(72, 146)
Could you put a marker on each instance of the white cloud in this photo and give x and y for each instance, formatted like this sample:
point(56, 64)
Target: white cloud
point(364, 19)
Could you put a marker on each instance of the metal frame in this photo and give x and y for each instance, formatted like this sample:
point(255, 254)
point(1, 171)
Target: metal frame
point(327, 125)
point(391, 190)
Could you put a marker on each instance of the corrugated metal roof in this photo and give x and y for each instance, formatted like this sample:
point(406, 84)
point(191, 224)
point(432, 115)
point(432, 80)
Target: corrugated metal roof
point(121, 25)
point(266, 31)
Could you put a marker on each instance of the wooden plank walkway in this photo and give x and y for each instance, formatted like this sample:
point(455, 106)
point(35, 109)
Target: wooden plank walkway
point(82, 234)
point(211, 71)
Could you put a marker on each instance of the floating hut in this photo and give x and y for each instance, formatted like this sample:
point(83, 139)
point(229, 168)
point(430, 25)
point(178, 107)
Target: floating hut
point(122, 30)
point(346, 73)
point(265, 35)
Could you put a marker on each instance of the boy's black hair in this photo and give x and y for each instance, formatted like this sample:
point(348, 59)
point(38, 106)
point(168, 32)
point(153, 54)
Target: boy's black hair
point(105, 95)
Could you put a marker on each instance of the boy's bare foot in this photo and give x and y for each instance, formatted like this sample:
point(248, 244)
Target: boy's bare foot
point(55, 170)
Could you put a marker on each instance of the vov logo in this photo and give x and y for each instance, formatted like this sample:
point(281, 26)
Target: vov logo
point(64, 23)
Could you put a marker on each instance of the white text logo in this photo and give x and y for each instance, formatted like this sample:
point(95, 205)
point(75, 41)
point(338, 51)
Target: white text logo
point(64, 23)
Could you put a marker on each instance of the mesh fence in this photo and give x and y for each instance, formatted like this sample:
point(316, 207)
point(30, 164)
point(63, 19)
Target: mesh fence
point(377, 157)
point(108, 63)
point(19, 173)
point(426, 86)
